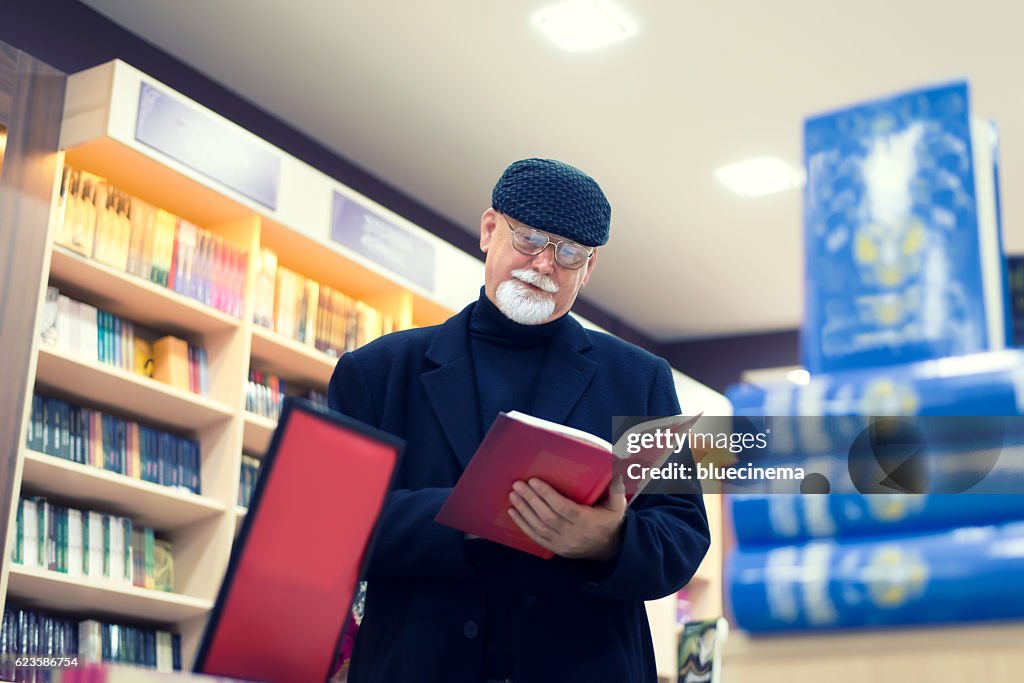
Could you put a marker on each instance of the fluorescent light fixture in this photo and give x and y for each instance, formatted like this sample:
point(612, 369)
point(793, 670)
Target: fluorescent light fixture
point(577, 25)
point(760, 176)
point(801, 377)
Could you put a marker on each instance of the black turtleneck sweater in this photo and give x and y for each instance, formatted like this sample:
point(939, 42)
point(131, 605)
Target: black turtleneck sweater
point(508, 359)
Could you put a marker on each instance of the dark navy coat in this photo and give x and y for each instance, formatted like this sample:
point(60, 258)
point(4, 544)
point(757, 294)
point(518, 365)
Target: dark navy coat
point(573, 620)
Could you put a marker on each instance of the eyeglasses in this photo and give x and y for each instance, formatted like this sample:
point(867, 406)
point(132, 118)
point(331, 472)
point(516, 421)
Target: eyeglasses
point(568, 254)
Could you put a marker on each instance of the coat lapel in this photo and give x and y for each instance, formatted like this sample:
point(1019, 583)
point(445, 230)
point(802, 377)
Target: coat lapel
point(450, 387)
point(567, 373)
point(452, 393)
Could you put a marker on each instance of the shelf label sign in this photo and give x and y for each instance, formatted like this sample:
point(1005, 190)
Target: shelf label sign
point(208, 146)
point(382, 240)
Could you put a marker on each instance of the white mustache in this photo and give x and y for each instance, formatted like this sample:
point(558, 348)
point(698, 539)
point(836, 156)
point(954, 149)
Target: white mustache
point(534, 278)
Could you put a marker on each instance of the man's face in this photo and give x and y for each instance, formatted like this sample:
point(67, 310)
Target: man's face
point(527, 289)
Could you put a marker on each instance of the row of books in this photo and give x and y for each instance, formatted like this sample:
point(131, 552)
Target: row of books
point(125, 644)
point(91, 437)
point(92, 544)
point(303, 309)
point(93, 334)
point(104, 223)
point(247, 481)
point(28, 632)
point(265, 392)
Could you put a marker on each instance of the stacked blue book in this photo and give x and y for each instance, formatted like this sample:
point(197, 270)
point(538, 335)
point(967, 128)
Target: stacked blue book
point(906, 314)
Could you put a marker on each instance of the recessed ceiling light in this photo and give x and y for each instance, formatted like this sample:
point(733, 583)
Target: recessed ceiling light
point(760, 176)
point(577, 25)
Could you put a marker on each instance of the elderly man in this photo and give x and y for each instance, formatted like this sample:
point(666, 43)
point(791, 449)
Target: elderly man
point(444, 608)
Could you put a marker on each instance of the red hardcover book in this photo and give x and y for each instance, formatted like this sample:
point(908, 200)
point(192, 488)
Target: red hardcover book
point(519, 447)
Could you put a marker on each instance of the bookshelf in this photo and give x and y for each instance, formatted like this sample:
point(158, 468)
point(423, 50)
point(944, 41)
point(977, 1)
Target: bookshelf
point(98, 137)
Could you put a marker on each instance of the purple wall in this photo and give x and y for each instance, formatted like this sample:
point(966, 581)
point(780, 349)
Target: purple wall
point(719, 362)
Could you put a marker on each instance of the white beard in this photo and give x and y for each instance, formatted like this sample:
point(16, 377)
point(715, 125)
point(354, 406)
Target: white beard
point(525, 305)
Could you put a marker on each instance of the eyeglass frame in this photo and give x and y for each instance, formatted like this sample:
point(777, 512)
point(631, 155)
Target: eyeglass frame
point(512, 228)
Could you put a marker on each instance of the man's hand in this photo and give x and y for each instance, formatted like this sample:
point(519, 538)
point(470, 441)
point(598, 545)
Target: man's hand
point(566, 528)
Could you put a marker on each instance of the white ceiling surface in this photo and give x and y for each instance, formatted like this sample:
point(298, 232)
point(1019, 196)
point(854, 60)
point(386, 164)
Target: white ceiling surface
point(437, 97)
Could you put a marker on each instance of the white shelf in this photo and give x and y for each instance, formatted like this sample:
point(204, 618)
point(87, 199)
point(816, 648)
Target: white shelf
point(133, 298)
point(95, 383)
point(148, 504)
point(57, 591)
point(258, 432)
point(290, 359)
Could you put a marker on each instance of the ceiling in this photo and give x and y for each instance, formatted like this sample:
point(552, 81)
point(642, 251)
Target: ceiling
point(438, 97)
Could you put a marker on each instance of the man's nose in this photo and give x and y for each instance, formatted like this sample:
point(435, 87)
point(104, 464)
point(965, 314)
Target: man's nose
point(544, 262)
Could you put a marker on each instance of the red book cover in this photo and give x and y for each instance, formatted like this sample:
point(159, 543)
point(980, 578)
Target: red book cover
point(519, 447)
point(516, 448)
point(286, 596)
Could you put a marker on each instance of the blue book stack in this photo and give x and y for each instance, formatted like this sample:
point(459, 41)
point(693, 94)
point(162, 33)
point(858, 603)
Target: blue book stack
point(906, 313)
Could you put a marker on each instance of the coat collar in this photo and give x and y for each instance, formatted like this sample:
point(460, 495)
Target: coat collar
point(566, 375)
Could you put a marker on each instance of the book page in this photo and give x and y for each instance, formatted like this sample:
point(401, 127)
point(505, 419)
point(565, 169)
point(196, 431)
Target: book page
point(570, 432)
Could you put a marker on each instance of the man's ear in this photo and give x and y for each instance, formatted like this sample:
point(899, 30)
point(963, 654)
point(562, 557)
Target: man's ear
point(589, 268)
point(488, 224)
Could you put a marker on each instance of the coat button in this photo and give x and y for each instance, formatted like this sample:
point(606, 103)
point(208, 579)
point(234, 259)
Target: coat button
point(470, 629)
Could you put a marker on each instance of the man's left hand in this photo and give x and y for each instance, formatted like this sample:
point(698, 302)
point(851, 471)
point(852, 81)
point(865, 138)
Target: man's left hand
point(566, 528)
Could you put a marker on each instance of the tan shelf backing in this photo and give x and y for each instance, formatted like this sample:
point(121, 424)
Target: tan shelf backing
point(148, 504)
point(56, 591)
point(104, 386)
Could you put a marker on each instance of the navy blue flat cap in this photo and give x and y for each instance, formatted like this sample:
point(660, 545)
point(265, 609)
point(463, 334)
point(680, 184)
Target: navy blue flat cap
point(554, 197)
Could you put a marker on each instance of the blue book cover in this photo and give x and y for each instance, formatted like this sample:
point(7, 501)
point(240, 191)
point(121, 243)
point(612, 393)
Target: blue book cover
point(766, 519)
point(902, 244)
point(960, 575)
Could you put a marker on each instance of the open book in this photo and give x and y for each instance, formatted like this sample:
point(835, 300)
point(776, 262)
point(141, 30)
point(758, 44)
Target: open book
point(577, 464)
